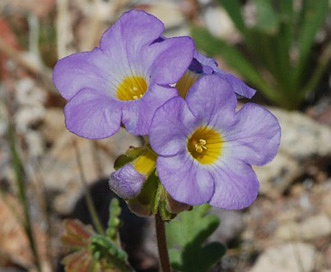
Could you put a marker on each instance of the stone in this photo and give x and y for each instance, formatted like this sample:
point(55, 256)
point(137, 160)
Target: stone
point(278, 175)
point(290, 257)
point(220, 25)
point(302, 137)
point(314, 227)
point(303, 141)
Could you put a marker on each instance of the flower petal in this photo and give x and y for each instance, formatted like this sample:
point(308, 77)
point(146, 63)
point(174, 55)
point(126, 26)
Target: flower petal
point(202, 64)
point(92, 115)
point(255, 138)
point(208, 66)
point(137, 115)
point(133, 30)
point(126, 182)
point(171, 59)
point(212, 99)
point(184, 180)
point(238, 86)
point(236, 185)
point(81, 70)
point(168, 131)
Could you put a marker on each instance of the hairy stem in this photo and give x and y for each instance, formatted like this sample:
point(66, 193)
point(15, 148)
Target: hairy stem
point(162, 244)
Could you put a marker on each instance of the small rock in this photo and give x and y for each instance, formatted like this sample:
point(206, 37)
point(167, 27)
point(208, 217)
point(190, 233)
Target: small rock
point(278, 175)
point(291, 257)
point(303, 141)
point(220, 25)
point(302, 137)
point(312, 228)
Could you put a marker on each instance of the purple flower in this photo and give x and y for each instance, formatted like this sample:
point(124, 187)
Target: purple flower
point(124, 80)
point(202, 65)
point(206, 148)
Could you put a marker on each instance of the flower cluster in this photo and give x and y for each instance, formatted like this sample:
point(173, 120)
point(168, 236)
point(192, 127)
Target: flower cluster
point(199, 146)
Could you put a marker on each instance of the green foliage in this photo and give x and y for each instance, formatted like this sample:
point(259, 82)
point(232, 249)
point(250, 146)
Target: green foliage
point(109, 253)
point(95, 252)
point(186, 236)
point(114, 222)
point(278, 58)
point(106, 249)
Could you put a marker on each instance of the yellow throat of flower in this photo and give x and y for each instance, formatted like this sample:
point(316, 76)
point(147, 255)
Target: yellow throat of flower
point(131, 88)
point(145, 164)
point(186, 82)
point(205, 145)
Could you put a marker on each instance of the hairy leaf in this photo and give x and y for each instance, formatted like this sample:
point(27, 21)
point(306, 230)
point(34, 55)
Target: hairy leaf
point(187, 235)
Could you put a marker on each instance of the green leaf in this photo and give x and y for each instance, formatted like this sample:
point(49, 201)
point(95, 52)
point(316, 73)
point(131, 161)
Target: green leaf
point(233, 8)
point(109, 254)
point(102, 247)
point(267, 19)
point(186, 237)
point(287, 22)
point(313, 15)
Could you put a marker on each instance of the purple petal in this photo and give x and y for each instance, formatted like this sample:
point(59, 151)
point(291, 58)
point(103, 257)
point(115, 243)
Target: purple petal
point(133, 30)
point(207, 66)
point(203, 65)
point(170, 127)
point(171, 59)
point(236, 185)
point(80, 71)
point(92, 115)
point(185, 180)
point(255, 137)
point(126, 182)
point(212, 99)
point(238, 86)
point(137, 115)
point(120, 55)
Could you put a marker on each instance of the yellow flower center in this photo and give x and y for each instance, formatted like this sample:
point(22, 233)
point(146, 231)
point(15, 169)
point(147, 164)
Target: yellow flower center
point(131, 88)
point(186, 82)
point(146, 162)
point(205, 145)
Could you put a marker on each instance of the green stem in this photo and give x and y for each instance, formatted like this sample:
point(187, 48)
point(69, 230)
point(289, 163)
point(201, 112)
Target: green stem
point(22, 195)
point(162, 244)
point(323, 63)
point(88, 198)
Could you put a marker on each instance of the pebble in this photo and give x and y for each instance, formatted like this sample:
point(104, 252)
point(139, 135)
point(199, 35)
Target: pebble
point(303, 141)
point(290, 257)
point(312, 228)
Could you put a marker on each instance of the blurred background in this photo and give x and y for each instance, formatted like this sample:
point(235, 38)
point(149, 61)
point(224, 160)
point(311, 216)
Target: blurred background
point(282, 48)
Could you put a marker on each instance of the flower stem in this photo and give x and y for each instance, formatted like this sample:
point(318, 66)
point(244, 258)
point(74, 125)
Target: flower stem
point(88, 198)
point(162, 244)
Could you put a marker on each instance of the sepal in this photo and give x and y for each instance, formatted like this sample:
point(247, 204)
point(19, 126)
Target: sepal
point(153, 199)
